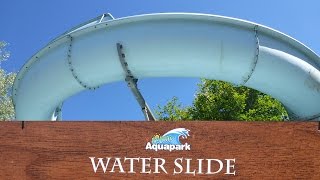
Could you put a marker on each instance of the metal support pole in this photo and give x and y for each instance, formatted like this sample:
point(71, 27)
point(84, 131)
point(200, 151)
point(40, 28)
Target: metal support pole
point(132, 83)
point(58, 113)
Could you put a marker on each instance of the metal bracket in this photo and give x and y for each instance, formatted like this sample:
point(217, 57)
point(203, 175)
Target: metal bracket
point(132, 83)
point(106, 17)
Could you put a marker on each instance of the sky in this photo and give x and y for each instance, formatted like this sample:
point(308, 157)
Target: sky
point(29, 25)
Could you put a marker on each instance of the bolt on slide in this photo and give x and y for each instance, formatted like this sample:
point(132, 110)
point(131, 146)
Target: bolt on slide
point(169, 45)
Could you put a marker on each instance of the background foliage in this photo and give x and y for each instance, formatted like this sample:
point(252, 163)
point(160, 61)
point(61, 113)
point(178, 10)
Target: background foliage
point(217, 100)
point(6, 82)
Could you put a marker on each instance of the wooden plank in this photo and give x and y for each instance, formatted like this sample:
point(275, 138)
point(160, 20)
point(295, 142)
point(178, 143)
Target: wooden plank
point(61, 150)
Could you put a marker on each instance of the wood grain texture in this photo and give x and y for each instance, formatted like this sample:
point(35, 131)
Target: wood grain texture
point(61, 150)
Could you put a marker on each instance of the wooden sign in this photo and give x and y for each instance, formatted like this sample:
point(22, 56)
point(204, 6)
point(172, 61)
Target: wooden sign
point(72, 150)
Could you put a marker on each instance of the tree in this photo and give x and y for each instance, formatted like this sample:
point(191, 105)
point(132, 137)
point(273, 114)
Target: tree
point(6, 82)
point(217, 100)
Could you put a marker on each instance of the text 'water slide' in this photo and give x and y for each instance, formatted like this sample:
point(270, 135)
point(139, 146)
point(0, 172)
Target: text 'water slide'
point(169, 45)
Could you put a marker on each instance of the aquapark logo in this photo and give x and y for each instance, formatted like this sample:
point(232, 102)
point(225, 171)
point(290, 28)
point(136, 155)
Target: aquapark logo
point(170, 141)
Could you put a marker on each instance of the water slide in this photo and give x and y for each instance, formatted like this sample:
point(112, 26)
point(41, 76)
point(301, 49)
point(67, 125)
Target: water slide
point(169, 45)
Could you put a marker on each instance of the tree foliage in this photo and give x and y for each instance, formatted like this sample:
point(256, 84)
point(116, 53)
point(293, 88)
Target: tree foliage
point(217, 100)
point(4, 54)
point(6, 82)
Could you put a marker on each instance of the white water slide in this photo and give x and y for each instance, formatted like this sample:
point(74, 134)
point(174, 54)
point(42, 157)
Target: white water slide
point(169, 45)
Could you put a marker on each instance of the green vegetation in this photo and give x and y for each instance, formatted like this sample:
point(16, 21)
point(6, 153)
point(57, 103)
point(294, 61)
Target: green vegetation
point(6, 82)
point(217, 100)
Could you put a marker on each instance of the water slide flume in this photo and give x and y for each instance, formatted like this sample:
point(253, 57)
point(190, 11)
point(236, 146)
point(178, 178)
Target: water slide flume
point(170, 45)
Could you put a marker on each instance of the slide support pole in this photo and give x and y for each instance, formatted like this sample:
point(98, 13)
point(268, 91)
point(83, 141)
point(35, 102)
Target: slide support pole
point(132, 83)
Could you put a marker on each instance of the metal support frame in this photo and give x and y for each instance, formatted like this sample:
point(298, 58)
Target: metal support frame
point(106, 17)
point(132, 83)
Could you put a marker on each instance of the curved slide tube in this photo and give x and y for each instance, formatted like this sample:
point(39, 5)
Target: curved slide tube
point(170, 45)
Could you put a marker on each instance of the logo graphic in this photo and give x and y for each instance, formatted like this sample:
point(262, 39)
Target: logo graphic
point(169, 141)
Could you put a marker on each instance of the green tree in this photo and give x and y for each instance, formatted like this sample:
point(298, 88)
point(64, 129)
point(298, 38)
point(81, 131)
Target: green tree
point(6, 82)
point(217, 100)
